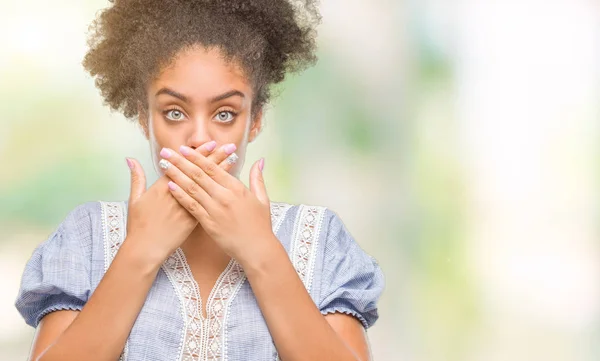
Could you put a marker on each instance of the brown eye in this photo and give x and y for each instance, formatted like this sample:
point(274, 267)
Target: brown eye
point(174, 115)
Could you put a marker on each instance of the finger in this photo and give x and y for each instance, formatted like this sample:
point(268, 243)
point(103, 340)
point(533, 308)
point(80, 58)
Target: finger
point(220, 156)
point(138, 179)
point(185, 183)
point(214, 173)
point(187, 202)
point(192, 171)
point(224, 156)
point(257, 182)
point(207, 148)
point(229, 162)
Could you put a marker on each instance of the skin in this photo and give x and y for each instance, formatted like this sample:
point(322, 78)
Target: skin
point(216, 218)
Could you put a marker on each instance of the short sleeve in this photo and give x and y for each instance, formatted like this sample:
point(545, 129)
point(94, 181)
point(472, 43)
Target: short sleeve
point(57, 276)
point(351, 280)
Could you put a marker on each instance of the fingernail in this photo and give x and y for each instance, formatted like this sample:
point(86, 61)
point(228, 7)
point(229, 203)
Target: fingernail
point(210, 146)
point(164, 164)
point(165, 153)
point(229, 148)
point(261, 164)
point(172, 186)
point(232, 158)
point(130, 163)
point(185, 150)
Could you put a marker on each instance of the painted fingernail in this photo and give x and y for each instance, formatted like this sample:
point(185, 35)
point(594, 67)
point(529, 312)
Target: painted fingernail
point(130, 163)
point(185, 150)
point(172, 186)
point(232, 159)
point(261, 164)
point(165, 153)
point(229, 148)
point(164, 164)
point(210, 146)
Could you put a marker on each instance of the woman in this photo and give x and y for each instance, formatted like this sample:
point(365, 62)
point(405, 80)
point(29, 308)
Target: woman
point(198, 266)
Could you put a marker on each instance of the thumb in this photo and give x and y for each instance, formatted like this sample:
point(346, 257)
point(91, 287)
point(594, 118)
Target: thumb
point(138, 179)
point(257, 182)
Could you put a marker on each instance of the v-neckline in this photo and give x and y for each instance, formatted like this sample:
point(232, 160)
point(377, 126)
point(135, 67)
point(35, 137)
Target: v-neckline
point(202, 307)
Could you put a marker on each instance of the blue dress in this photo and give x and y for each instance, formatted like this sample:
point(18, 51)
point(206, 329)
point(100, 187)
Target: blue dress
point(65, 270)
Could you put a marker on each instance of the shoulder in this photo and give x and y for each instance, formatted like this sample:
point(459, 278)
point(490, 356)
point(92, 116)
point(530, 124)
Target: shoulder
point(80, 216)
point(310, 233)
point(318, 220)
point(61, 269)
point(85, 227)
point(87, 219)
point(293, 211)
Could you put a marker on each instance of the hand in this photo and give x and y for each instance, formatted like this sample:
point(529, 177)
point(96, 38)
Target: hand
point(155, 220)
point(238, 219)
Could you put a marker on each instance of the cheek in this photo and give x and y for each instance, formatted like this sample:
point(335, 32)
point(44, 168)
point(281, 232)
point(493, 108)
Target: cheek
point(161, 135)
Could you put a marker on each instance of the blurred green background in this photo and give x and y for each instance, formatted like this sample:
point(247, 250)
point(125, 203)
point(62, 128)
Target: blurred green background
point(457, 140)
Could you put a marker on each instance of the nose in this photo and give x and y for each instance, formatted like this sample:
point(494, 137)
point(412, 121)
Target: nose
point(198, 134)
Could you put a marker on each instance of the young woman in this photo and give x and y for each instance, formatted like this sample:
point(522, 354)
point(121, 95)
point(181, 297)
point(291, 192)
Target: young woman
point(197, 266)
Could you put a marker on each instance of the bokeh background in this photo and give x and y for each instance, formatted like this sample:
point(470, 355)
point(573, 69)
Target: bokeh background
point(458, 140)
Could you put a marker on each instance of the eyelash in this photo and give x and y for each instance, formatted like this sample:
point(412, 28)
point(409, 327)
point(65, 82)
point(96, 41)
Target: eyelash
point(233, 115)
point(167, 111)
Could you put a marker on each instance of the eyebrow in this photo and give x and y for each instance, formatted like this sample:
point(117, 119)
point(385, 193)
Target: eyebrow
point(175, 94)
point(172, 93)
point(229, 94)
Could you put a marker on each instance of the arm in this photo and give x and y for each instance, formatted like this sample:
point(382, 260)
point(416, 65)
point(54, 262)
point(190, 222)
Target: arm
point(156, 226)
point(238, 220)
point(284, 301)
point(100, 330)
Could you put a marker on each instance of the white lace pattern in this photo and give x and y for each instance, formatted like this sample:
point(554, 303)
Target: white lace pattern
point(113, 228)
point(305, 241)
point(206, 338)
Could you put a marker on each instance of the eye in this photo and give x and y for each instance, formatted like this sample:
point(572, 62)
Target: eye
point(225, 116)
point(174, 115)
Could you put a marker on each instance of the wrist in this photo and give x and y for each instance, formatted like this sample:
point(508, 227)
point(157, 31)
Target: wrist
point(139, 256)
point(263, 259)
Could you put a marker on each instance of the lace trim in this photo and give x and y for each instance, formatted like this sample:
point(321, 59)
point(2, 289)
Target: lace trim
point(188, 293)
point(217, 311)
point(113, 228)
point(305, 242)
point(278, 212)
point(206, 338)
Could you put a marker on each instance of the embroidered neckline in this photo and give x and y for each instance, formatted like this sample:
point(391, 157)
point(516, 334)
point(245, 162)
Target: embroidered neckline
point(206, 338)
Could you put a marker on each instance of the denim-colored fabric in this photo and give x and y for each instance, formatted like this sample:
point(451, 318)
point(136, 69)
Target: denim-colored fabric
point(66, 268)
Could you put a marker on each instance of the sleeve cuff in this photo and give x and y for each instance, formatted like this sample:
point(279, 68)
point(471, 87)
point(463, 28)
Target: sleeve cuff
point(347, 311)
point(34, 322)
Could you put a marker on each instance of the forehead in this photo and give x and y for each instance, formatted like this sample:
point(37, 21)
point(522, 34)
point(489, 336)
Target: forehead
point(202, 73)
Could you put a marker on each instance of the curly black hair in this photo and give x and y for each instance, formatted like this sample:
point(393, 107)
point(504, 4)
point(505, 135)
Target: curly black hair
point(132, 40)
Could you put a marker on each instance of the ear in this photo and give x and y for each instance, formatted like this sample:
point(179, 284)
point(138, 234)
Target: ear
point(143, 120)
point(256, 125)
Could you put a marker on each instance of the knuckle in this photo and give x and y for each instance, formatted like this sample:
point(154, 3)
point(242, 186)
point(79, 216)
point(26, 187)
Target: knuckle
point(211, 168)
point(197, 176)
point(227, 201)
point(194, 207)
point(192, 189)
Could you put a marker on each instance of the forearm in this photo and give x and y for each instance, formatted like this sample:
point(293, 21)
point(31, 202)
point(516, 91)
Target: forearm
point(298, 329)
point(101, 329)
